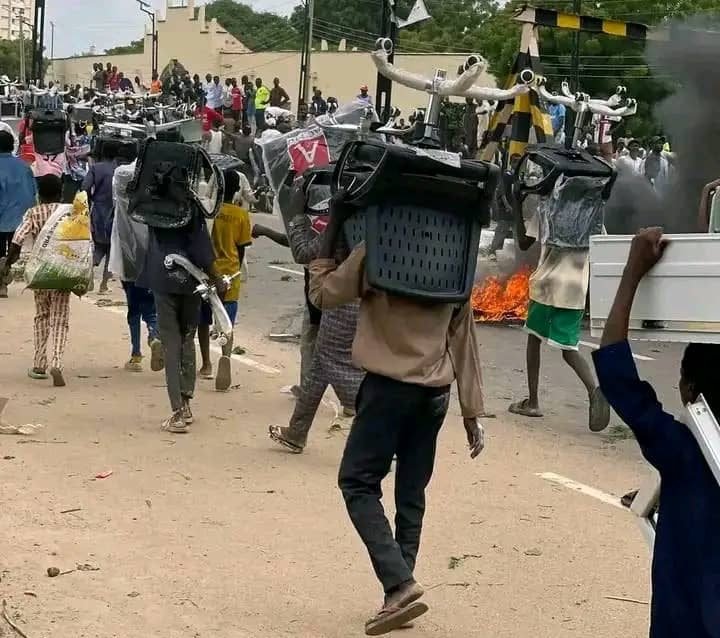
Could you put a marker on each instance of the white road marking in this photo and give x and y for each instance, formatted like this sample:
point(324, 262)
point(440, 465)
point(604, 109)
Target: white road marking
point(240, 358)
point(299, 273)
point(595, 346)
point(609, 499)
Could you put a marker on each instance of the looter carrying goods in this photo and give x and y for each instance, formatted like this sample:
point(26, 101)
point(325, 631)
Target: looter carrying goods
point(61, 258)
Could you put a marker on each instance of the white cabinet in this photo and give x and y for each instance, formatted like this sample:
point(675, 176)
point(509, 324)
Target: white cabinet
point(679, 300)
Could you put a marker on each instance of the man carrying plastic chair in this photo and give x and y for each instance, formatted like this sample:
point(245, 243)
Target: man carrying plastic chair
point(412, 352)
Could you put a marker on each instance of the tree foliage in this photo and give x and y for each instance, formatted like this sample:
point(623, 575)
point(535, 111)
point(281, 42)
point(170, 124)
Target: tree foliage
point(136, 46)
point(10, 57)
point(259, 31)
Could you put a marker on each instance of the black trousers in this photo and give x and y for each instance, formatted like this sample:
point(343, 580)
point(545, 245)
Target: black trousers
point(177, 320)
point(393, 418)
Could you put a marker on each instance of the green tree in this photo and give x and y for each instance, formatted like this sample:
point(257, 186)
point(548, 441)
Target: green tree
point(259, 31)
point(10, 57)
point(136, 46)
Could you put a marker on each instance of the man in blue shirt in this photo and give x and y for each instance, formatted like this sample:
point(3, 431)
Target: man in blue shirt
point(557, 117)
point(17, 195)
point(686, 556)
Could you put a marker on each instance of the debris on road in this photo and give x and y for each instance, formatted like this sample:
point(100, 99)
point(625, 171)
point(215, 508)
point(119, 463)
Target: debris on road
point(622, 599)
point(9, 621)
point(456, 561)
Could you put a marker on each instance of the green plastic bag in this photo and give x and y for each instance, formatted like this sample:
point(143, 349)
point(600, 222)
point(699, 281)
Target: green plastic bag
point(60, 264)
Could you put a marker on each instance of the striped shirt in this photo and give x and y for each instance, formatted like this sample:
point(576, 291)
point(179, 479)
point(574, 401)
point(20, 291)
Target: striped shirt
point(33, 221)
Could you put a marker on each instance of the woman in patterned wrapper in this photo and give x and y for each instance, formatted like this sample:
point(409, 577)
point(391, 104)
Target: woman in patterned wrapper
point(327, 361)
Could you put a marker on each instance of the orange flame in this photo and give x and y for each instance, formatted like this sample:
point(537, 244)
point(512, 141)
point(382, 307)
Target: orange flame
point(496, 301)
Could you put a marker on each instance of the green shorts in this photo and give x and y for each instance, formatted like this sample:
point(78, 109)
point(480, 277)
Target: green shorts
point(558, 327)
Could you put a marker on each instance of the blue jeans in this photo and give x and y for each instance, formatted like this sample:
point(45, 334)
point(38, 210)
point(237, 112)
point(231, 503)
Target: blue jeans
point(141, 305)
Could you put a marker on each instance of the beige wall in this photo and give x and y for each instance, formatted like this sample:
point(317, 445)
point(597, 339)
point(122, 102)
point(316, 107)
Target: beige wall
point(205, 47)
point(335, 73)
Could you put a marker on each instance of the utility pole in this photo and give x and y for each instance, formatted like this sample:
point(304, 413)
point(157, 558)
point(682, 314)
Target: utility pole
point(52, 48)
point(23, 75)
point(148, 11)
point(576, 52)
point(388, 29)
point(305, 61)
point(308, 55)
point(38, 42)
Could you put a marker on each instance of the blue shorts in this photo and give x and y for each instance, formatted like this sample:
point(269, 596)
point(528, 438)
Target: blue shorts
point(231, 308)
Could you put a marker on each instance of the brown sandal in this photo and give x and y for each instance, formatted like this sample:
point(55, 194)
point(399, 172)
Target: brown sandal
point(391, 618)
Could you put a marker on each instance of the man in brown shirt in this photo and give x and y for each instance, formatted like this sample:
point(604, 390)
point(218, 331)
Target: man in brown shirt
point(412, 352)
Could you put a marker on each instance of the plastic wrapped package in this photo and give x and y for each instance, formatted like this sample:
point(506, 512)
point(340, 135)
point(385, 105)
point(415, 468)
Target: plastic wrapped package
point(572, 212)
point(61, 258)
point(314, 146)
point(129, 238)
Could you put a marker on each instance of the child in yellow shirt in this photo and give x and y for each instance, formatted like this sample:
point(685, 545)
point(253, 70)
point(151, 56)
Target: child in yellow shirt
point(231, 234)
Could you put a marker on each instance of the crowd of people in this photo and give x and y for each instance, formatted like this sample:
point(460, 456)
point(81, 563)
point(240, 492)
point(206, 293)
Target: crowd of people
point(391, 359)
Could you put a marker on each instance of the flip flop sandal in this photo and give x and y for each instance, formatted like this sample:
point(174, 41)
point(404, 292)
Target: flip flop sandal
point(38, 376)
point(391, 618)
point(628, 499)
point(276, 435)
point(523, 409)
point(599, 411)
point(157, 355)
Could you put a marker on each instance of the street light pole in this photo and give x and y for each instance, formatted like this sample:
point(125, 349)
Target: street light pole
point(146, 9)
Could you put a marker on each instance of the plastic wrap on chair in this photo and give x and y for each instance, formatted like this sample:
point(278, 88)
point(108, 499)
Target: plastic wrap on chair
point(572, 212)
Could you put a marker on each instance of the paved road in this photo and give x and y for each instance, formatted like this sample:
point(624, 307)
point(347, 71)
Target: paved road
point(219, 534)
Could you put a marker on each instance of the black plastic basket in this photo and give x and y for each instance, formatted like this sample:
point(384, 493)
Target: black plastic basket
point(419, 214)
point(550, 161)
point(49, 129)
point(162, 192)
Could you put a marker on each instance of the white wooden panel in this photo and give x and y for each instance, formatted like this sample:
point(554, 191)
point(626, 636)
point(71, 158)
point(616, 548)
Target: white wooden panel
point(681, 295)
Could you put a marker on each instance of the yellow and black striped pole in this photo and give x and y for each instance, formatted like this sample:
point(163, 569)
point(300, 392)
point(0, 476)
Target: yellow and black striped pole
point(524, 115)
point(572, 22)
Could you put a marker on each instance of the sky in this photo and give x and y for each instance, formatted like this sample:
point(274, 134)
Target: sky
point(80, 24)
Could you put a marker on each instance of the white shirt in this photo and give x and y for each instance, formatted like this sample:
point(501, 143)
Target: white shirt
point(214, 144)
point(214, 95)
point(628, 164)
point(562, 276)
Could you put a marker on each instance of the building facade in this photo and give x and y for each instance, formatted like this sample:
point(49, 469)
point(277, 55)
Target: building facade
point(12, 15)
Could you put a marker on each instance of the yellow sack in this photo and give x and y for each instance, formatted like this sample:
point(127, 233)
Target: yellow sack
point(76, 226)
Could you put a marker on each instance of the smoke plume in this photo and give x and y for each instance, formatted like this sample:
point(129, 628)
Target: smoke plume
point(689, 118)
